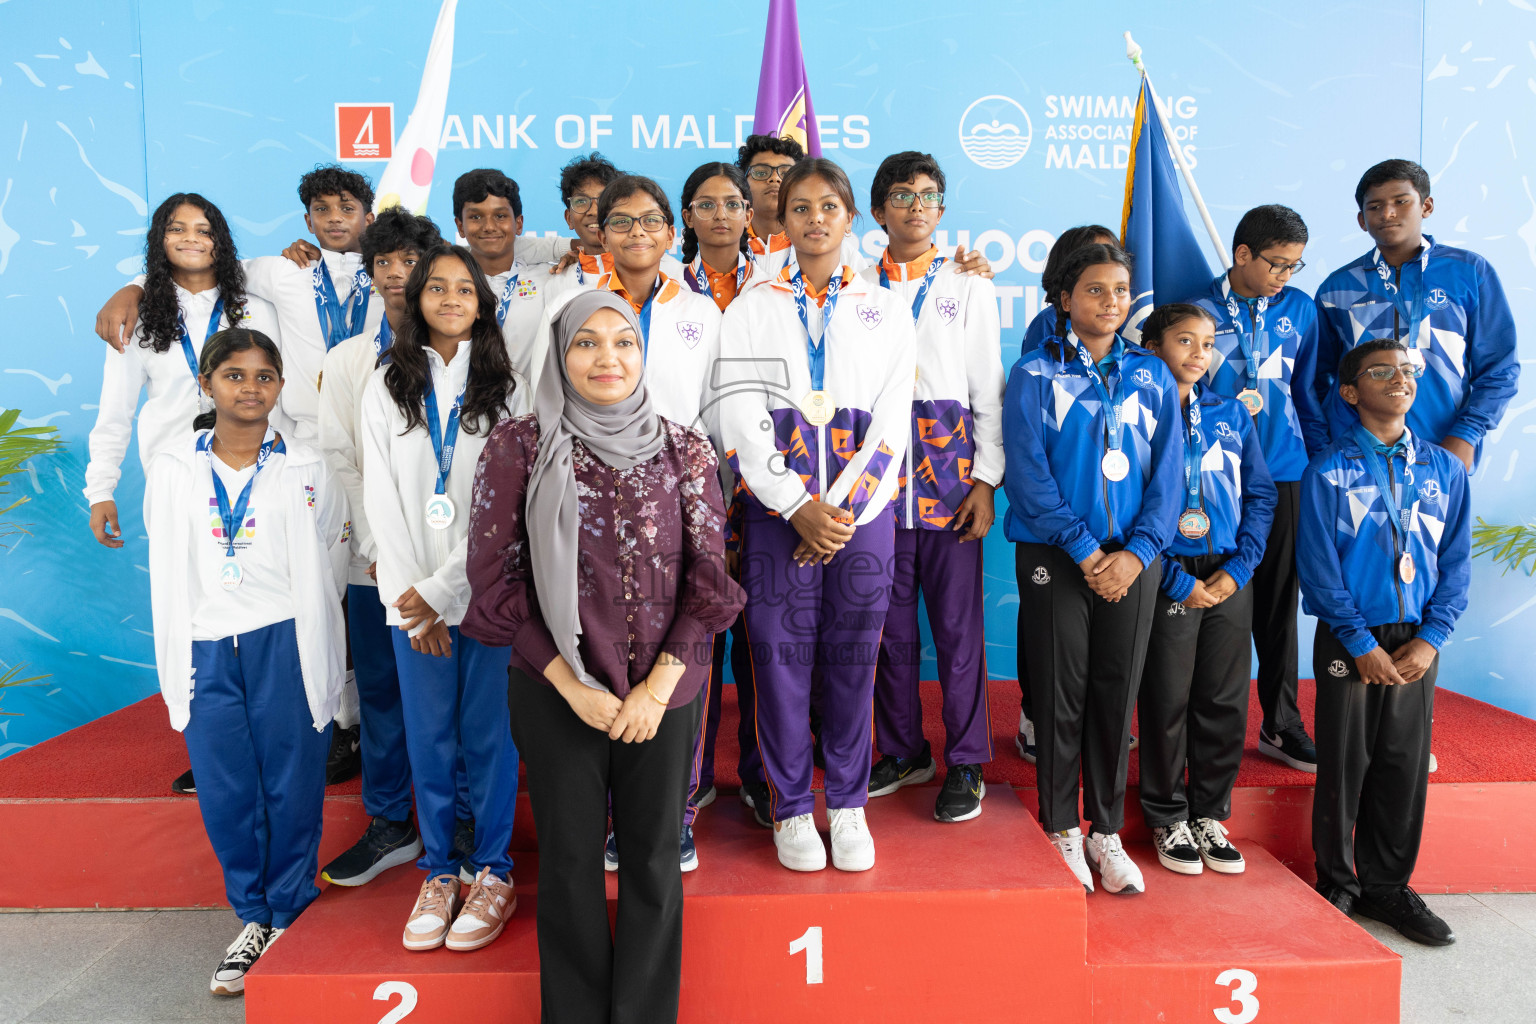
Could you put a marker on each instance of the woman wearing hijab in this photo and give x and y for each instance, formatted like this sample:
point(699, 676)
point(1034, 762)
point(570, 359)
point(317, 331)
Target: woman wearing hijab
point(596, 551)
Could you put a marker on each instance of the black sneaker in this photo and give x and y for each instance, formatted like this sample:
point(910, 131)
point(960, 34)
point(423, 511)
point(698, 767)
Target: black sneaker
point(1291, 745)
point(890, 773)
point(960, 797)
point(464, 849)
point(1219, 855)
point(1024, 739)
point(688, 852)
point(1404, 910)
point(755, 796)
point(703, 798)
point(384, 845)
point(183, 783)
point(1342, 899)
point(346, 758)
point(1176, 849)
point(611, 852)
point(229, 976)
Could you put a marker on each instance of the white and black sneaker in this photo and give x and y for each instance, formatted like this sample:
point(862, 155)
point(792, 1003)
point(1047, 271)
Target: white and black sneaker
point(704, 798)
point(229, 976)
point(1290, 745)
point(1176, 849)
point(386, 844)
point(1024, 740)
point(890, 773)
point(1218, 854)
point(464, 849)
point(960, 797)
point(184, 783)
point(611, 852)
point(1117, 872)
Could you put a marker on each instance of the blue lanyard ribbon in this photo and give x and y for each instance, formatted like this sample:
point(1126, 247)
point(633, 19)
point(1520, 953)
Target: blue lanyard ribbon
point(698, 275)
point(1113, 426)
point(186, 340)
point(922, 291)
point(1194, 451)
point(383, 339)
point(1400, 505)
point(1252, 344)
point(336, 323)
point(505, 302)
point(645, 321)
point(443, 440)
point(816, 349)
point(233, 516)
point(1410, 308)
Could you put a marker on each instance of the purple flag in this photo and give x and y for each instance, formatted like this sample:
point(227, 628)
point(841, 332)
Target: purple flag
point(783, 95)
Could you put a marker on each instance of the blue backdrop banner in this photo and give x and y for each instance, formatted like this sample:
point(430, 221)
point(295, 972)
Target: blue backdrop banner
point(106, 107)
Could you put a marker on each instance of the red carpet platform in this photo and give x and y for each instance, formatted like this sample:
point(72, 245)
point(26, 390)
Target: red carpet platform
point(95, 805)
point(767, 943)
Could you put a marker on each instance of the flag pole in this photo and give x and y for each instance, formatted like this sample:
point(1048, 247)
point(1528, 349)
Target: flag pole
point(1133, 52)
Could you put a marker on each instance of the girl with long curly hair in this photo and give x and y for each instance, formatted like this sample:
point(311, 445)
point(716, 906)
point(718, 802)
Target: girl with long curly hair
point(426, 417)
point(194, 287)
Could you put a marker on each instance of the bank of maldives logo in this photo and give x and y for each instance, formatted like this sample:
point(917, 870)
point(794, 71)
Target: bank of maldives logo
point(995, 132)
point(365, 131)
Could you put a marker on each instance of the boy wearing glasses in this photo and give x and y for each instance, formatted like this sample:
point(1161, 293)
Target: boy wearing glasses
point(1445, 304)
point(953, 463)
point(1266, 338)
point(1384, 553)
point(765, 159)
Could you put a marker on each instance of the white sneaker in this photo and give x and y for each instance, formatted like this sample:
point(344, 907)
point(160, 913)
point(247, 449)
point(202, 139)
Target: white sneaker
point(1117, 871)
point(1434, 765)
point(1070, 845)
point(853, 848)
point(799, 844)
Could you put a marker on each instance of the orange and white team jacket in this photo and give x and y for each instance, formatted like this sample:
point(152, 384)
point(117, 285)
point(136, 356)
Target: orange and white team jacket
point(957, 427)
point(780, 457)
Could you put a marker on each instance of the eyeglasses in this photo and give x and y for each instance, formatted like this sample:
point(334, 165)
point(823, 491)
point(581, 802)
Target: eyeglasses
point(580, 203)
point(1278, 267)
point(1410, 371)
point(624, 224)
point(707, 207)
point(762, 172)
point(902, 200)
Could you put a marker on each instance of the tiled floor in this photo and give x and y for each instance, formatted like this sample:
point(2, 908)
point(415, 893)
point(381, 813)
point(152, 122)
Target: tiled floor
point(153, 966)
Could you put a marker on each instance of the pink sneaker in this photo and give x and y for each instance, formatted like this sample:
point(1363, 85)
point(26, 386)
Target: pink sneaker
point(486, 910)
point(433, 913)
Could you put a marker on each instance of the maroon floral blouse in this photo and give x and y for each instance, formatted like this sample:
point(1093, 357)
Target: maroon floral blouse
point(651, 571)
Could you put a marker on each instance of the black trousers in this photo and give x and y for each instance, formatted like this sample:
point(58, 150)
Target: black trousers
point(586, 974)
point(1085, 660)
point(749, 762)
point(1193, 704)
point(1275, 587)
point(1372, 767)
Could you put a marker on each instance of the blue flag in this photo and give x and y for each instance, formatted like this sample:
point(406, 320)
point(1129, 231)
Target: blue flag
point(1170, 267)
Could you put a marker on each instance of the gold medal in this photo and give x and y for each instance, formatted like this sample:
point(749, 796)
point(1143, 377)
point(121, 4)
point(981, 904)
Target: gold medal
point(817, 408)
point(1252, 401)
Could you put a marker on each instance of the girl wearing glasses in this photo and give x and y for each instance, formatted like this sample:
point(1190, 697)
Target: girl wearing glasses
point(717, 218)
point(426, 416)
point(953, 463)
point(1093, 479)
point(816, 432)
point(1193, 701)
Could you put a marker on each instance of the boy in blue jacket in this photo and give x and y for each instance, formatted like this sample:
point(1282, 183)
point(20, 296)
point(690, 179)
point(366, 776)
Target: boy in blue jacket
point(1266, 344)
point(1445, 304)
point(1193, 704)
point(1384, 551)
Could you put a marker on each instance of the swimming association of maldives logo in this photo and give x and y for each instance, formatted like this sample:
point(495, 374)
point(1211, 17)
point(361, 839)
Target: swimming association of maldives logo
point(365, 131)
point(995, 132)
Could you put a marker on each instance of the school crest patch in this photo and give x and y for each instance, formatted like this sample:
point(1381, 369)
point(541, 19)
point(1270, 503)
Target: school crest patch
point(1337, 668)
point(1040, 575)
point(1437, 299)
point(346, 531)
point(948, 308)
point(1225, 431)
point(309, 496)
point(1143, 378)
point(1285, 326)
point(1177, 608)
point(691, 331)
point(527, 289)
point(870, 316)
point(1429, 490)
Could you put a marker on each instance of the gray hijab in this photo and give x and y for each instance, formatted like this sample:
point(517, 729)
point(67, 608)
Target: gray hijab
point(621, 435)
